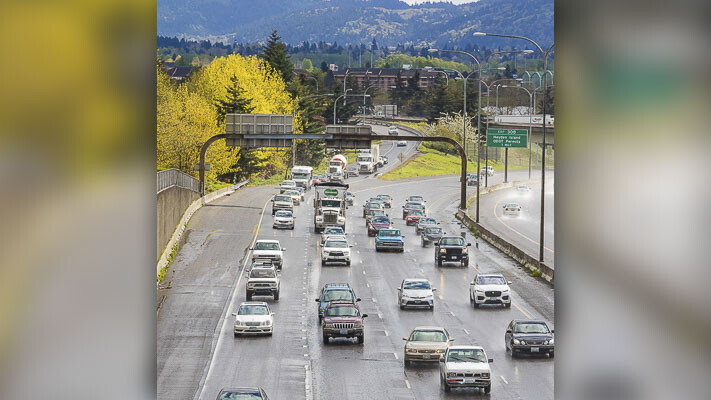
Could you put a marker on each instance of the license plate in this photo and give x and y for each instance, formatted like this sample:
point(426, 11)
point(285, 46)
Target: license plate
point(344, 331)
point(534, 349)
point(252, 328)
point(425, 356)
point(468, 380)
point(453, 257)
point(417, 302)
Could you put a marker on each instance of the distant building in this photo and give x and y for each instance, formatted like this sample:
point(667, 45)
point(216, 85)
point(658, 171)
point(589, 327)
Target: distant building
point(333, 67)
point(179, 73)
point(384, 78)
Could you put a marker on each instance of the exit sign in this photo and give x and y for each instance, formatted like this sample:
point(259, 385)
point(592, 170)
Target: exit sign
point(514, 138)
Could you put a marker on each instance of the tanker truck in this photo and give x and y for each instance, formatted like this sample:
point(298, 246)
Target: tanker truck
point(330, 205)
point(337, 164)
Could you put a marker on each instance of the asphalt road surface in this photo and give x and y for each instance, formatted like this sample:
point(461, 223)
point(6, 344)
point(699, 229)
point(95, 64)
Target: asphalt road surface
point(198, 355)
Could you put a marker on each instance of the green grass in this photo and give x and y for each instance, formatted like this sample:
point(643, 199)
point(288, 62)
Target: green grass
point(171, 257)
point(275, 179)
point(216, 185)
point(430, 163)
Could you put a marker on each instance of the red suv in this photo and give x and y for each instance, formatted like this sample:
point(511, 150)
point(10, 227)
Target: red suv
point(342, 319)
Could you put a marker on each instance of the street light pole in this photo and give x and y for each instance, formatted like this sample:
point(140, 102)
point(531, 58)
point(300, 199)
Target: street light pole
point(545, 54)
point(365, 92)
point(336, 103)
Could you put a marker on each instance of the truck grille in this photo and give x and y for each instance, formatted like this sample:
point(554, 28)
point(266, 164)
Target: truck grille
point(454, 251)
point(492, 293)
point(468, 375)
point(363, 167)
point(263, 285)
point(330, 218)
point(344, 325)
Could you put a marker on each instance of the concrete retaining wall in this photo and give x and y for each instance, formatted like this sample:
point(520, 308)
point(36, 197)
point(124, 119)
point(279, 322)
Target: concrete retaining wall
point(170, 206)
point(508, 248)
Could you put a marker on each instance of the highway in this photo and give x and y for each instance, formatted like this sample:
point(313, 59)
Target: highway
point(198, 355)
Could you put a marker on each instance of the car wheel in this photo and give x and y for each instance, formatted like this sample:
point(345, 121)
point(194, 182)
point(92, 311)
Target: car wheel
point(361, 339)
point(487, 389)
point(292, 227)
point(377, 250)
point(402, 307)
point(276, 296)
point(507, 305)
point(235, 335)
point(325, 339)
point(446, 387)
point(465, 263)
point(270, 333)
point(249, 296)
point(476, 305)
point(323, 263)
point(348, 263)
point(407, 363)
point(439, 262)
point(432, 307)
point(550, 354)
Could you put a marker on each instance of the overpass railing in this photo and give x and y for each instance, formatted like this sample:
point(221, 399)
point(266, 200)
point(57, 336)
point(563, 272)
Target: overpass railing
point(173, 177)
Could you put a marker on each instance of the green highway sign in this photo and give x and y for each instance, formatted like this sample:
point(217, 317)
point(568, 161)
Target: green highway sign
point(330, 192)
point(507, 138)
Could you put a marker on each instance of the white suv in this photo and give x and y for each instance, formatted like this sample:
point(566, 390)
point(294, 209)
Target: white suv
point(393, 130)
point(490, 289)
point(263, 281)
point(465, 366)
point(269, 250)
point(336, 249)
point(488, 170)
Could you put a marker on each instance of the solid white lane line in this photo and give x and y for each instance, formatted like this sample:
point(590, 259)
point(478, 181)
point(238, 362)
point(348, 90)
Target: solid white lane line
point(407, 383)
point(386, 333)
point(465, 331)
point(451, 313)
point(395, 354)
point(380, 316)
point(504, 379)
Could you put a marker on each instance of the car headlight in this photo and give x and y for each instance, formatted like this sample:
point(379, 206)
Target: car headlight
point(329, 325)
point(516, 341)
point(410, 350)
point(442, 250)
point(239, 323)
point(549, 341)
point(485, 374)
point(506, 291)
point(358, 325)
point(319, 218)
point(465, 250)
point(266, 323)
point(438, 351)
point(451, 374)
point(523, 341)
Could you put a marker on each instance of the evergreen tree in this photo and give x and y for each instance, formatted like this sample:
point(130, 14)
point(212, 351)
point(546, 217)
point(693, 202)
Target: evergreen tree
point(235, 103)
point(324, 66)
point(275, 54)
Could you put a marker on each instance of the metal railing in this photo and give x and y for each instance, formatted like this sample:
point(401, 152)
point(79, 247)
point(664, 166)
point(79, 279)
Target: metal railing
point(173, 177)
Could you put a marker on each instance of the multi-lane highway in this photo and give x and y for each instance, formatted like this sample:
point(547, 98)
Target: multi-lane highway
point(198, 355)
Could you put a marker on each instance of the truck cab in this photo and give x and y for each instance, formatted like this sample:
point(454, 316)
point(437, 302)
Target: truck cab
point(330, 205)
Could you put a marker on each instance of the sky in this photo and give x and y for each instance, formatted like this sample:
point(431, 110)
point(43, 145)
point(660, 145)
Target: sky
point(411, 2)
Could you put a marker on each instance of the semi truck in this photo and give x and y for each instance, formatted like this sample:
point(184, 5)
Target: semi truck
point(302, 175)
point(367, 159)
point(330, 205)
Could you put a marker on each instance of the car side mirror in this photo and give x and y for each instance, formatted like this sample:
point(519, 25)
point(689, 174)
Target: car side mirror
point(434, 289)
point(508, 282)
point(403, 206)
point(491, 360)
point(234, 314)
point(508, 331)
point(317, 300)
point(552, 331)
point(451, 339)
point(273, 313)
point(358, 299)
point(404, 338)
point(283, 249)
point(350, 245)
point(364, 316)
point(469, 244)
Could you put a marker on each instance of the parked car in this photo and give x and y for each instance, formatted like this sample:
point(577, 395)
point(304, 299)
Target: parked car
point(530, 337)
point(386, 200)
point(425, 222)
point(331, 231)
point(431, 234)
point(413, 217)
point(335, 292)
point(269, 250)
point(242, 393)
point(336, 250)
point(342, 320)
point(452, 249)
point(253, 317)
point(283, 219)
point(412, 206)
point(377, 223)
point(512, 209)
point(490, 289)
point(393, 130)
point(489, 170)
point(465, 366)
point(415, 293)
point(390, 239)
point(426, 343)
point(263, 281)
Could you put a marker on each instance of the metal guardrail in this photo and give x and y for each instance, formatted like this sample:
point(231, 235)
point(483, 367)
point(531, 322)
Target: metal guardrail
point(173, 177)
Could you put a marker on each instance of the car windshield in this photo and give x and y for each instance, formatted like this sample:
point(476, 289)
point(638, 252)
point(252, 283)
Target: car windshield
point(262, 273)
point(333, 295)
point(389, 232)
point(512, 205)
point(300, 175)
point(428, 336)
point(415, 213)
point(452, 241)
point(288, 183)
point(416, 198)
point(416, 285)
point(424, 221)
point(253, 309)
point(381, 220)
point(376, 212)
point(283, 214)
point(247, 395)
point(266, 246)
point(433, 231)
point(364, 159)
point(414, 205)
point(330, 203)
point(491, 280)
point(342, 311)
point(292, 192)
point(336, 243)
point(466, 355)
point(333, 231)
point(384, 196)
point(373, 205)
point(282, 198)
point(531, 327)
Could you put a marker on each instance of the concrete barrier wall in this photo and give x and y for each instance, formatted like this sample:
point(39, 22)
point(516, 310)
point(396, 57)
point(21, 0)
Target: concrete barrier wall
point(508, 248)
point(170, 206)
